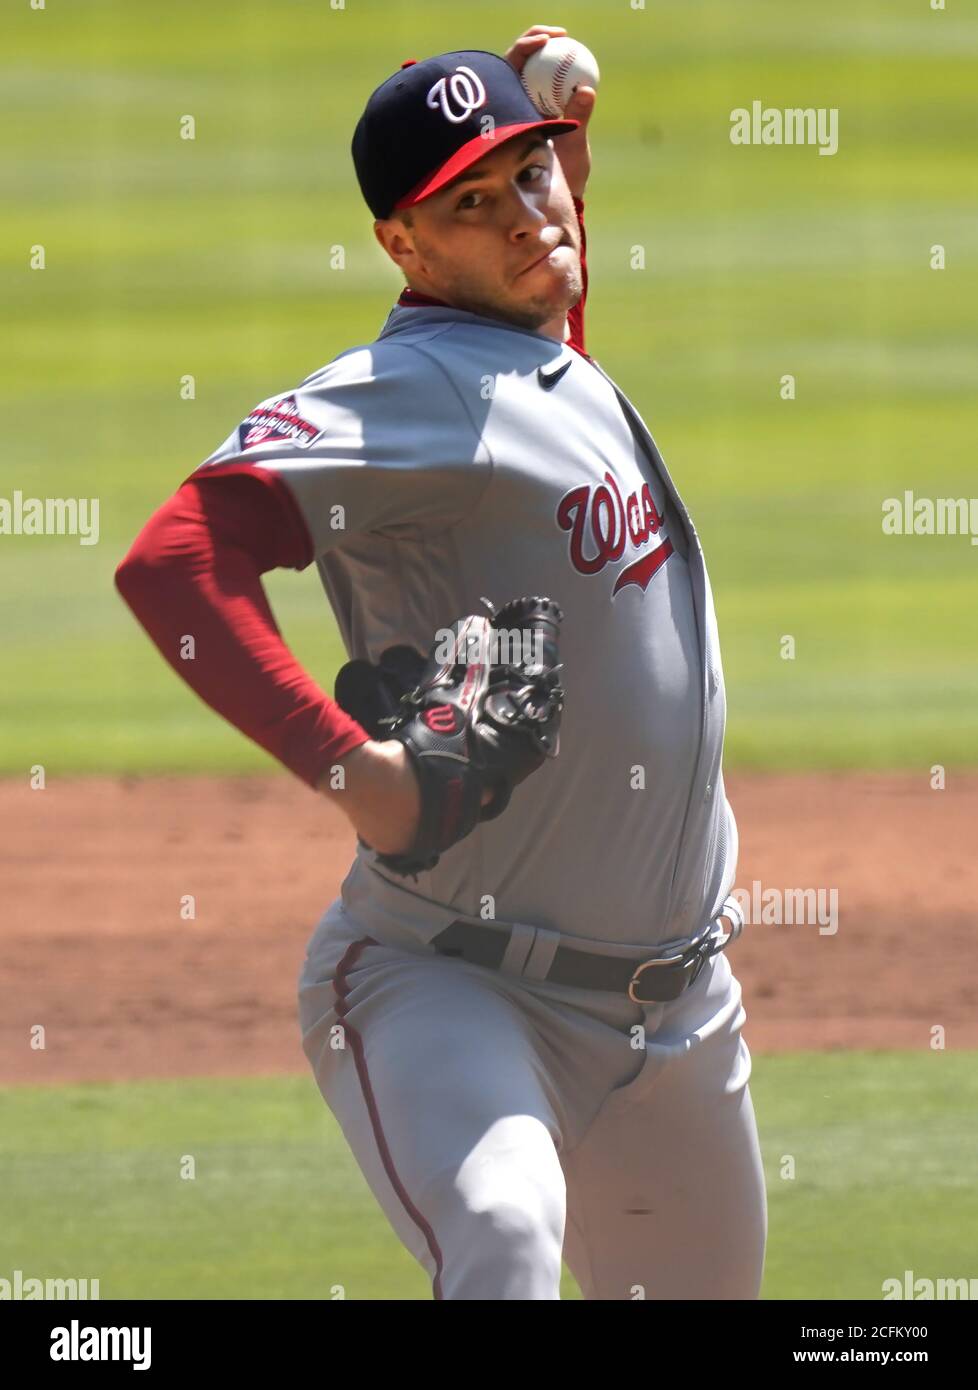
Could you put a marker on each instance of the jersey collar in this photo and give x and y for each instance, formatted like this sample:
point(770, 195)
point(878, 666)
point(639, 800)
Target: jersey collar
point(405, 313)
point(409, 296)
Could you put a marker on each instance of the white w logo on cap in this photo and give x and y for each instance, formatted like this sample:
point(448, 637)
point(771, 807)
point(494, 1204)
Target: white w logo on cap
point(464, 88)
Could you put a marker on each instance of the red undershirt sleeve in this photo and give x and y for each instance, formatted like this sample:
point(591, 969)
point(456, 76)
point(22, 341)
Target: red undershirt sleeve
point(194, 572)
point(575, 317)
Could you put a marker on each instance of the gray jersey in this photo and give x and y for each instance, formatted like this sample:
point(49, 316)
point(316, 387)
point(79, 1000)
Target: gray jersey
point(457, 457)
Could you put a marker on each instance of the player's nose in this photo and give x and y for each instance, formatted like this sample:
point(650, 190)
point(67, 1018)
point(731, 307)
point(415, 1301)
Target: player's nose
point(527, 210)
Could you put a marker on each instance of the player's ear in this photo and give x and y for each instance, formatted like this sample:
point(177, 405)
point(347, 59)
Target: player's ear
point(395, 237)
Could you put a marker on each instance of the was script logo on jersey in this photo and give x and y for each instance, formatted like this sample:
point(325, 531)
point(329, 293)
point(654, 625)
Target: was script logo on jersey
point(601, 525)
point(280, 421)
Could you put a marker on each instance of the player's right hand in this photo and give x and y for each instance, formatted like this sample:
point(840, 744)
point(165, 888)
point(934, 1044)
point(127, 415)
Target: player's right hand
point(573, 149)
point(531, 41)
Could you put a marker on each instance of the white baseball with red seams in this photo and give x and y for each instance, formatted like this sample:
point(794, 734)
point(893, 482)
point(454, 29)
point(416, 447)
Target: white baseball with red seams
point(555, 71)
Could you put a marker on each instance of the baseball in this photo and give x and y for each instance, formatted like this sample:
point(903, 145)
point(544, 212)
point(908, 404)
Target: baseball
point(552, 74)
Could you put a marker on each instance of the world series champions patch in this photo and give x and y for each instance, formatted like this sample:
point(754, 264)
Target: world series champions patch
point(278, 422)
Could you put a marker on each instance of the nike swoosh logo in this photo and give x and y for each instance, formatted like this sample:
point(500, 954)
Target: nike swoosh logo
point(548, 380)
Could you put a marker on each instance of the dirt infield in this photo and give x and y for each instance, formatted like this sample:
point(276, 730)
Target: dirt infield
point(93, 945)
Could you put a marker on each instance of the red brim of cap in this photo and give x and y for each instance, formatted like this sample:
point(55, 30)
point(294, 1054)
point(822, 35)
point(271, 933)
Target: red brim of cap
point(472, 152)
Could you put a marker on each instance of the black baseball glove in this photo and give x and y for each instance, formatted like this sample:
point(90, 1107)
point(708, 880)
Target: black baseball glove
point(479, 714)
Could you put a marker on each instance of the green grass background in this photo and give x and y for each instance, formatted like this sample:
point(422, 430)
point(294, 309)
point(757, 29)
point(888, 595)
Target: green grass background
point(212, 257)
point(278, 1209)
point(168, 257)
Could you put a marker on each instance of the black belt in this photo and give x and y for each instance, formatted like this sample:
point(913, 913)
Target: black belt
point(653, 981)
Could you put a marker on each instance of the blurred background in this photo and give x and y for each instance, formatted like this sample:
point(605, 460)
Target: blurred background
point(214, 259)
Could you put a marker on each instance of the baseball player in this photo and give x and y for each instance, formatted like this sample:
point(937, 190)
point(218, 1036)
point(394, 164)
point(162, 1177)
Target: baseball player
point(519, 1008)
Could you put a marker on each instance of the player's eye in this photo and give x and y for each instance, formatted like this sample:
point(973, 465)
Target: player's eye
point(540, 170)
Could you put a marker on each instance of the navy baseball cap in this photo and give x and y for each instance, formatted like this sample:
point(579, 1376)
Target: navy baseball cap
point(428, 123)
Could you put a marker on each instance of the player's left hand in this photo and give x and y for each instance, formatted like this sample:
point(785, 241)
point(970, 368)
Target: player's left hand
point(573, 149)
point(476, 716)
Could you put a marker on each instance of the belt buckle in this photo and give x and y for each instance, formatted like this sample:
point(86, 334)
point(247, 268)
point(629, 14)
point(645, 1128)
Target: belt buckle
point(650, 965)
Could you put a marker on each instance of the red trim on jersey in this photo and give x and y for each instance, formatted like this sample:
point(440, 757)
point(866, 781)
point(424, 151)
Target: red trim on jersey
point(410, 298)
point(341, 987)
point(195, 571)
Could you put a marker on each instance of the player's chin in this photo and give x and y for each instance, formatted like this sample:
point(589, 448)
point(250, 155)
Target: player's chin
point(555, 281)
